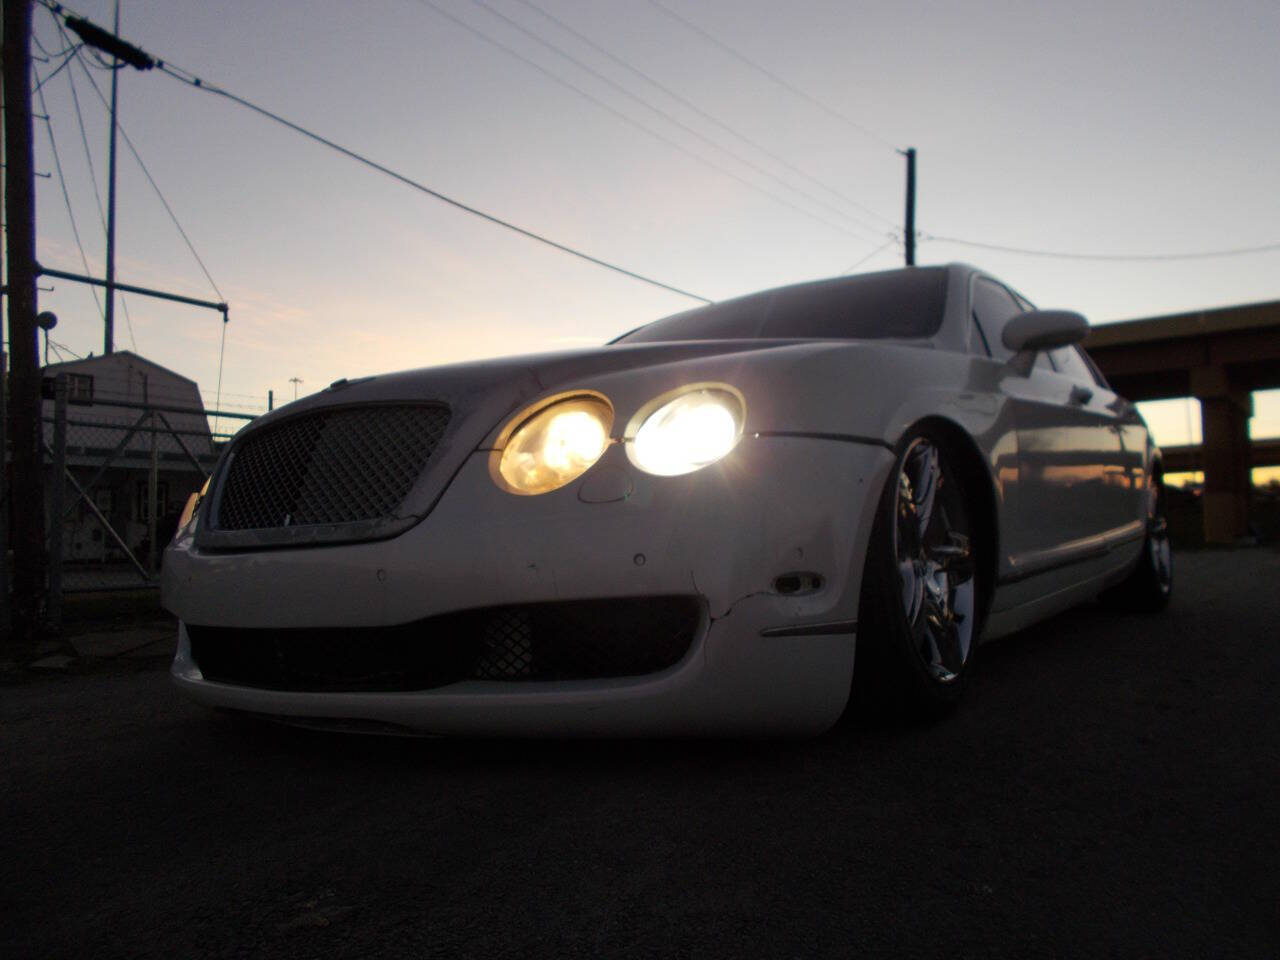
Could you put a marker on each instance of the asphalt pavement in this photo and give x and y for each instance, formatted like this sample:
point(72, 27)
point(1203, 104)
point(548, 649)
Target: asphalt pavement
point(1108, 788)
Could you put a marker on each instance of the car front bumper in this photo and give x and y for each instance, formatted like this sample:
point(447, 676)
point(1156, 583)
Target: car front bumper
point(764, 661)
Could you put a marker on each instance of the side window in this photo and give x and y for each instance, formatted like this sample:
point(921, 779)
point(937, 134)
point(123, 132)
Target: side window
point(1069, 363)
point(993, 306)
point(80, 388)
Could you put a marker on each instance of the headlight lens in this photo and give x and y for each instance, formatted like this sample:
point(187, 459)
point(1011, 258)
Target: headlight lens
point(556, 445)
point(688, 433)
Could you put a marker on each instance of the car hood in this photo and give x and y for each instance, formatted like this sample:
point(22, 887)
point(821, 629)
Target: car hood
point(483, 393)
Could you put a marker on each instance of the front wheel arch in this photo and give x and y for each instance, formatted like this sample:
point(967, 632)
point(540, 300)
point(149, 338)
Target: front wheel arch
point(981, 498)
point(935, 483)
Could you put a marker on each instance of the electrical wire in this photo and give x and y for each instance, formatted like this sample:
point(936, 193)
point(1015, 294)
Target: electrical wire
point(63, 348)
point(222, 352)
point(57, 70)
point(888, 243)
point(692, 131)
point(50, 57)
point(630, 121)
point(785, 84)
point(103, 64)
point(93, 175)
point(84, 139)
point(1115, 257)
point(66, 196)
point(191, 80)
point(156, 187)
point(709, 117)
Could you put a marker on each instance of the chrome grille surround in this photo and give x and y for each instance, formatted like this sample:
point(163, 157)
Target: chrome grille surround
point(328, 475)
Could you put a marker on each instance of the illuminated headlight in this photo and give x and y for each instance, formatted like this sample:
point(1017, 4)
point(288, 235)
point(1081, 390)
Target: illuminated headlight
point(689, 432)
point(555, 445)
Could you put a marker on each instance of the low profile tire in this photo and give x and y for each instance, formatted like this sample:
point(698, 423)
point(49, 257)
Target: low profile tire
point(1150, 586)
point(918, 614)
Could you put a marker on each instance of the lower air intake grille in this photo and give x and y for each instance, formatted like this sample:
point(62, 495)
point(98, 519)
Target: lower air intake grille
point(574, 640)
point(335, 466)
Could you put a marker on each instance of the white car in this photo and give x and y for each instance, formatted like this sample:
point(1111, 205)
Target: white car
point(712, 525)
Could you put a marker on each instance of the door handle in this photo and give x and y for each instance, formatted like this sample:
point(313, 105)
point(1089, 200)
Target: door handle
point(1081, 395)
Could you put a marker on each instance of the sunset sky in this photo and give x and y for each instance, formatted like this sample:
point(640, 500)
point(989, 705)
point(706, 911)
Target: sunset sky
point(720, 147)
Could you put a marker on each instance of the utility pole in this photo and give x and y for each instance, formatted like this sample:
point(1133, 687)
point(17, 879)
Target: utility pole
point(26, 492)
point(909, 234)
point(295, 381)
point(109, 312)
point(121, 52)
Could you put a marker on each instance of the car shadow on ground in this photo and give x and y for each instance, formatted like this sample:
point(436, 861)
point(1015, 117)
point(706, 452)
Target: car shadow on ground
point(1002, 664)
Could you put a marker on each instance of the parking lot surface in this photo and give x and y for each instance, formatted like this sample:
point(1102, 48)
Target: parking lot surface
point(1108, 788)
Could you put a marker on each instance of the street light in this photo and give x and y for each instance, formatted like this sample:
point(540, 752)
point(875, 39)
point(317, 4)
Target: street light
point(46, 321)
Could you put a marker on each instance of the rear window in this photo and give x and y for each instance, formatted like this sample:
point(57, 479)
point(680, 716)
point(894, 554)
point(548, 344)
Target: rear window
point(898, 303)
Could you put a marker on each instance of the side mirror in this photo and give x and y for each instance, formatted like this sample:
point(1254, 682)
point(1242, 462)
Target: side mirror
point(1044, 330)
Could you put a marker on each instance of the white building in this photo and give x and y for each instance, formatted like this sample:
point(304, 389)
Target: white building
point(126, 416)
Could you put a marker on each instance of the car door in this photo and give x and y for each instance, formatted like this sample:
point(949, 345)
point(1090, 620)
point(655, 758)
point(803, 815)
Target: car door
point(1121, 499)
point(1063, 502)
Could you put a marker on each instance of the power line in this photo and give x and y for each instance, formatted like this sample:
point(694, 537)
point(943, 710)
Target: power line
point(67, 59)
point(66, 197)
point(608, 81)
point(84, 138)
point(154, 186)
point(826, 108)
point(194, 81)
point(1117, 257)
point(63, 348)
point(888, 243)
point(93, 175)
point(630, 121)
point(222, 352)
point(710, 118)
point(49, 57)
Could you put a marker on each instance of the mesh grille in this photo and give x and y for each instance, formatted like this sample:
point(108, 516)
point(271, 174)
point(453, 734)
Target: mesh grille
point(577, 640)
point(332, 466)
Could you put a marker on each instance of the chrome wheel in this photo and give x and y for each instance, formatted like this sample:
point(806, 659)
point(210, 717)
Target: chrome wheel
point(1149, 587)
point(934, 561)
point(1159, 552)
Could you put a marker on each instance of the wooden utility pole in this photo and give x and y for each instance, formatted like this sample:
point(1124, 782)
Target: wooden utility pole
point(909, 234)
point(26, 491)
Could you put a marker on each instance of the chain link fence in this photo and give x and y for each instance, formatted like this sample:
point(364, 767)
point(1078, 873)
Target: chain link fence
point(118, 474)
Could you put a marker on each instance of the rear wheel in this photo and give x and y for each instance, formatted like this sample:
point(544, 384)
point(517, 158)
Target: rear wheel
point(919, 601)
point(1150, 586)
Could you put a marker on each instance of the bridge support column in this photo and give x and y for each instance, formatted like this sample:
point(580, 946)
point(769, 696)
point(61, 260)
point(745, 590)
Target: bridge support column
point(1225, 409)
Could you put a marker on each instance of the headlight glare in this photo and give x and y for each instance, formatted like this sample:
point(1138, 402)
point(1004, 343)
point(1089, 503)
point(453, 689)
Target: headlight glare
point(555, 445)
point(689, 432)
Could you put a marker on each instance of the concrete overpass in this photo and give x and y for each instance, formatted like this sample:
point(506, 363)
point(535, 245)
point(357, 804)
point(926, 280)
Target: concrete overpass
point(1219, 357)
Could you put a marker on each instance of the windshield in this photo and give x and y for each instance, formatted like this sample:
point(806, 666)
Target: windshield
point(897, 303)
